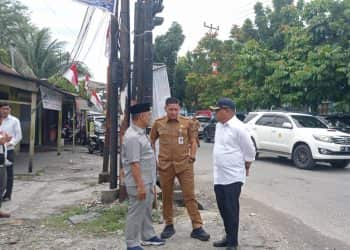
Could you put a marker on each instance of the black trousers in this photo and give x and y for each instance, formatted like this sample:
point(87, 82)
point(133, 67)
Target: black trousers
point(2, 181)
point(227, 197)
point(9, 186)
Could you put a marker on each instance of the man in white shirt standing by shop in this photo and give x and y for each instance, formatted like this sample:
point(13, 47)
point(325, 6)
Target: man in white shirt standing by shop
point(11, 126)
point(233, 155)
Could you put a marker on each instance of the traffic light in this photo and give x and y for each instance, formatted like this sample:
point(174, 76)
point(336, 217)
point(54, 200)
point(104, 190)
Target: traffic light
point(157, 7)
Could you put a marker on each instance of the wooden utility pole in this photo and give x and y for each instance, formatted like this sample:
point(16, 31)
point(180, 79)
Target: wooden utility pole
point(32, 132)
point(125, 60)
point(116, 80)
point(104, 175)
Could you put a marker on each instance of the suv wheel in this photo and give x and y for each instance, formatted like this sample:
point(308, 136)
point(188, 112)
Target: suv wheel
point(302, 157)
point(340, 163)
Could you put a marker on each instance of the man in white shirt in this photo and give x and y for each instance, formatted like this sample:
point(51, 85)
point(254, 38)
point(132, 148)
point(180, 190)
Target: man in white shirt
point(233, 155)
point(11, 126)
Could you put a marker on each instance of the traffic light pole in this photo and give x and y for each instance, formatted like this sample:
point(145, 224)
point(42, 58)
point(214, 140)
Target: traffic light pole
point(148, 53)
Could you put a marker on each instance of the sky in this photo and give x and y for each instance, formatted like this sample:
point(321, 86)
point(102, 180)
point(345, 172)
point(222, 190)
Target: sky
point(64, 18)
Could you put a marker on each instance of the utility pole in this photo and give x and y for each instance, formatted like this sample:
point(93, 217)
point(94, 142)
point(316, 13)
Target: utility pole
point(104, 175)
point(212, 30)
point(125, 60)
point(116, 80)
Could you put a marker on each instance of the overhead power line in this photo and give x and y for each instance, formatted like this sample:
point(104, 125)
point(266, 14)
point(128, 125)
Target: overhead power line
point(81, 38)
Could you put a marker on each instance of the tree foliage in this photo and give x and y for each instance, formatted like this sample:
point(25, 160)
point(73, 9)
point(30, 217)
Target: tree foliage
point(295, 56)
point(35, 53)
point(14, 22)
point(43, 55)
point(166, 49)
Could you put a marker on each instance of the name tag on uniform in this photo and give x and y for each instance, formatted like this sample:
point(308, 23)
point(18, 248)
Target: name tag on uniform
point(181, 140)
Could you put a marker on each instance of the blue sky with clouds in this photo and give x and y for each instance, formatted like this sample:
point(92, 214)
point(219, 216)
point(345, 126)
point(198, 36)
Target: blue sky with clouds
point(64, 18)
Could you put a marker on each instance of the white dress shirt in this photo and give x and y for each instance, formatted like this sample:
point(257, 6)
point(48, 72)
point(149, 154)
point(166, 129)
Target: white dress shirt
point(12, 127)
point(233, 147)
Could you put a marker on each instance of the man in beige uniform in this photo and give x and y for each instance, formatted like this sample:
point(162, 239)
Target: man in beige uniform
point(177, 153)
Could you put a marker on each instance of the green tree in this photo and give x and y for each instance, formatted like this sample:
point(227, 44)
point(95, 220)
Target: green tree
point(43, 55)
point(166, 49)
point(14, 22)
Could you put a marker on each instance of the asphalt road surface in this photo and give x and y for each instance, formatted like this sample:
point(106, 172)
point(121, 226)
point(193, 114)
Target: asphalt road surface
point(312, 206)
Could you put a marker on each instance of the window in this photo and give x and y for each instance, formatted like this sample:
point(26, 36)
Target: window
point(266, 120)
point(249, 117)
point(303, 121)
point(279, 120)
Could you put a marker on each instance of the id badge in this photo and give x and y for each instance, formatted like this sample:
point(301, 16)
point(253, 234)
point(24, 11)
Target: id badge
point(181, 140)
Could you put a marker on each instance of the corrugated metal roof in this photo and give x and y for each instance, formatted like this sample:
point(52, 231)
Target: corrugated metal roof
point(8, 70)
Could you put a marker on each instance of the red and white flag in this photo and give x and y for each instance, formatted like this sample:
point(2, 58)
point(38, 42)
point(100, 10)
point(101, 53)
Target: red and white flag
point(86, 83)
point(96, 100)
point(72, 76)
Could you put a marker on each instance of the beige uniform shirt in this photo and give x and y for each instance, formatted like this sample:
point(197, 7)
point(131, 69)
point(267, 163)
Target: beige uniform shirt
point(175, 137)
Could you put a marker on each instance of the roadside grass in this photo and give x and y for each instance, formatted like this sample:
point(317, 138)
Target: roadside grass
point(111, 219)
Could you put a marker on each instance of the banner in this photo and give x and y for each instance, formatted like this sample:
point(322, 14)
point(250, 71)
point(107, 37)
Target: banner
point(161, 91)
point(51, 99)
point(106, 5)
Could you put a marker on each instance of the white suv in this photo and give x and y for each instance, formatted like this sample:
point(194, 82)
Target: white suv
point(301, 137)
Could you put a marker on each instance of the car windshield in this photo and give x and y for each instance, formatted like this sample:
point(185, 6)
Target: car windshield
point(249, 117)
point(304, 121)
point(203, 119)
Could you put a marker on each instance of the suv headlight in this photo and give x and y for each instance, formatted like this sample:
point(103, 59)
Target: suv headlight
point(323, 138)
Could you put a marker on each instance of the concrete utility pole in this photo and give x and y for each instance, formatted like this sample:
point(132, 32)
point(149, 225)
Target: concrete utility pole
point(212, 30)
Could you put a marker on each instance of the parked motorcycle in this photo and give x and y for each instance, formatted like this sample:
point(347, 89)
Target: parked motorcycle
point(96, 143)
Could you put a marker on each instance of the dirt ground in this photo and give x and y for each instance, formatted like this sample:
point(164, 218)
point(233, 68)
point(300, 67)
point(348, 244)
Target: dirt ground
point(71, 180)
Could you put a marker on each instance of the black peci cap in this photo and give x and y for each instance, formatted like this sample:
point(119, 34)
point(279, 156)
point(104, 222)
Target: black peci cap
point(140, 108)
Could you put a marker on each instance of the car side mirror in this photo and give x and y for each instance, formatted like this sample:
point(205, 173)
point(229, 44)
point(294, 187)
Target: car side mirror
point(287, 125)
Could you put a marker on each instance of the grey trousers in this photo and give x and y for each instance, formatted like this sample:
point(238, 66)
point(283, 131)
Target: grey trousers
point(139, 219)
point(2, 182)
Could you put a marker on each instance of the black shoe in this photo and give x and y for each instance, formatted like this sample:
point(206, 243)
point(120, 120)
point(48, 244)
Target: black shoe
point(200, 234)
point(168, 231)
point(220, 243)
point(6, 199)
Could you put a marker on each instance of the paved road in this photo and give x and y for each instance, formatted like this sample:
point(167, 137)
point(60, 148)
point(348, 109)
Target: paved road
point(312, 205)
